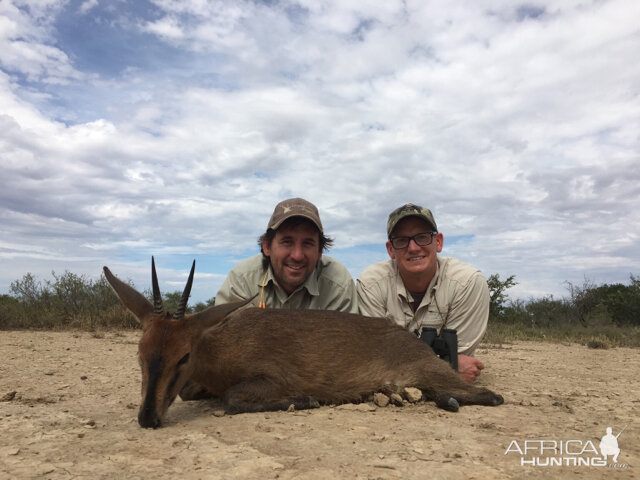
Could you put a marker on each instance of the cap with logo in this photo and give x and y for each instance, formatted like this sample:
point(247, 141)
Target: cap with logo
point(410, 210)
point(294, 207)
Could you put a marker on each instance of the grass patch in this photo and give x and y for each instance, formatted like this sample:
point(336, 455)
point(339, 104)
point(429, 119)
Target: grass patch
point(602, 337)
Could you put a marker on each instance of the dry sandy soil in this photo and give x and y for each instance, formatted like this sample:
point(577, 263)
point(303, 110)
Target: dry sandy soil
point(68, 406)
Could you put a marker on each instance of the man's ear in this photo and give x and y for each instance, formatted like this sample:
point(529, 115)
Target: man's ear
point(439, 242)
point(390, 251)
point(266, 247)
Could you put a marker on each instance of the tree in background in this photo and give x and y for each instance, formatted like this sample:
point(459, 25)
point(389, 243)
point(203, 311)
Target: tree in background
point(497, 294)
point(606, 303)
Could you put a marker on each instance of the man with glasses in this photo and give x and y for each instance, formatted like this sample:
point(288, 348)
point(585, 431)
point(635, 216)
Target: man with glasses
point(418, 289)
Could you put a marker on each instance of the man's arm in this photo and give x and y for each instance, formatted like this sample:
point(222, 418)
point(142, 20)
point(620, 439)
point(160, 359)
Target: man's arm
point(344, 298)
point(469, 316)
point(233, 289)
point(370, 302)
point(337, 289)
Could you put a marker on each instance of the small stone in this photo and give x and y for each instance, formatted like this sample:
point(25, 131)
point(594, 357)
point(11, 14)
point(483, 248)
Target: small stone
point(413, 395)
point(396, 400)
point(380, 399)
point(8, 396)
point(219, 412)
point(44, 469)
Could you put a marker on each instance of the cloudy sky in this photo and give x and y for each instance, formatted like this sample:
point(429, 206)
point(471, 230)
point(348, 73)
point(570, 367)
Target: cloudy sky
point(131, 128)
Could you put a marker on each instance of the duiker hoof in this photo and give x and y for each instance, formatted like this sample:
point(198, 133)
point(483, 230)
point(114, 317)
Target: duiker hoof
point(447, 402)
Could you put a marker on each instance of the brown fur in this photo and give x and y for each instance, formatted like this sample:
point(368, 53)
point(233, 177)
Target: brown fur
point(259, 360)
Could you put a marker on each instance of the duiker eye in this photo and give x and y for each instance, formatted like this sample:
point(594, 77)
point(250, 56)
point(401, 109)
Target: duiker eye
point(183, 360)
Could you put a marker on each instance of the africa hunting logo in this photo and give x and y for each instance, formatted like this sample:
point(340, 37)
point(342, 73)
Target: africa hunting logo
point(569, 453)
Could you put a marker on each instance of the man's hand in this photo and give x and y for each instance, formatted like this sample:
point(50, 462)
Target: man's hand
point(469, 367)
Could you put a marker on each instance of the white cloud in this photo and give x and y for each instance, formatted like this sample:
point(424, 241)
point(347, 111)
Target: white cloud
point(167, 28)
point(25, 35)
point(517, 125)
point(87, 6)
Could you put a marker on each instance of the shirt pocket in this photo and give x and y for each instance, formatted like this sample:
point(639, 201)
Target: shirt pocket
point(431, 317)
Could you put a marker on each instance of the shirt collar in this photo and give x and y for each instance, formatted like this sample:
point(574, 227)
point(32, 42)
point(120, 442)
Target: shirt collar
point(310, 284)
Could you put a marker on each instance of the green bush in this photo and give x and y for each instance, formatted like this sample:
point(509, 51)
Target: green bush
point(70, 301)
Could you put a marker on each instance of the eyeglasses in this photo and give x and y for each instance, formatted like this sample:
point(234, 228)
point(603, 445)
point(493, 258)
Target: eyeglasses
point(422, 239)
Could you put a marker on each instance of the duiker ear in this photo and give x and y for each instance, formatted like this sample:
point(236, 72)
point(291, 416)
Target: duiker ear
point(134, 301)
point(215, 314)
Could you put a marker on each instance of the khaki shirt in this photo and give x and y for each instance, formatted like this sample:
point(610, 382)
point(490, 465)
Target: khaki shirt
point(457, 298)
point(329, 287)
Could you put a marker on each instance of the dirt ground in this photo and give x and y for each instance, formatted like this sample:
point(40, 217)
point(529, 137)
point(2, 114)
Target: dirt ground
point(68, 407)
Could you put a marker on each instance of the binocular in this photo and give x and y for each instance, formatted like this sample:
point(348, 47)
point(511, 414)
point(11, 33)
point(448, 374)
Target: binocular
point(444, 345)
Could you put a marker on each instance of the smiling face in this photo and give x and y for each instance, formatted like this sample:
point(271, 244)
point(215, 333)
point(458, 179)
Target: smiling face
point(416, 264)
point(293, 253)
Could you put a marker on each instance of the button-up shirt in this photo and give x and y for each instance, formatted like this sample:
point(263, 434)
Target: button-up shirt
point(329, 287)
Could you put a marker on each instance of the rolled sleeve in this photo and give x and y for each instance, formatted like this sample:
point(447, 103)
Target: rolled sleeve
point(233, 289)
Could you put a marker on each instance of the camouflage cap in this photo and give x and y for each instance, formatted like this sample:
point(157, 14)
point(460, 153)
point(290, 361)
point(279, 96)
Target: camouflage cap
point(410, 210)
point(294, 207)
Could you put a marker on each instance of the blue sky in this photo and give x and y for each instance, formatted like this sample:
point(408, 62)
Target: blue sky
point(138, 128)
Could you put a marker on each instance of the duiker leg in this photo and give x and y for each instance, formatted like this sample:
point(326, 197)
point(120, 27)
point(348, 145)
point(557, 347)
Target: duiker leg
point(481, 396)
point(449, 390)
point(194, 391)
point(261, 395)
